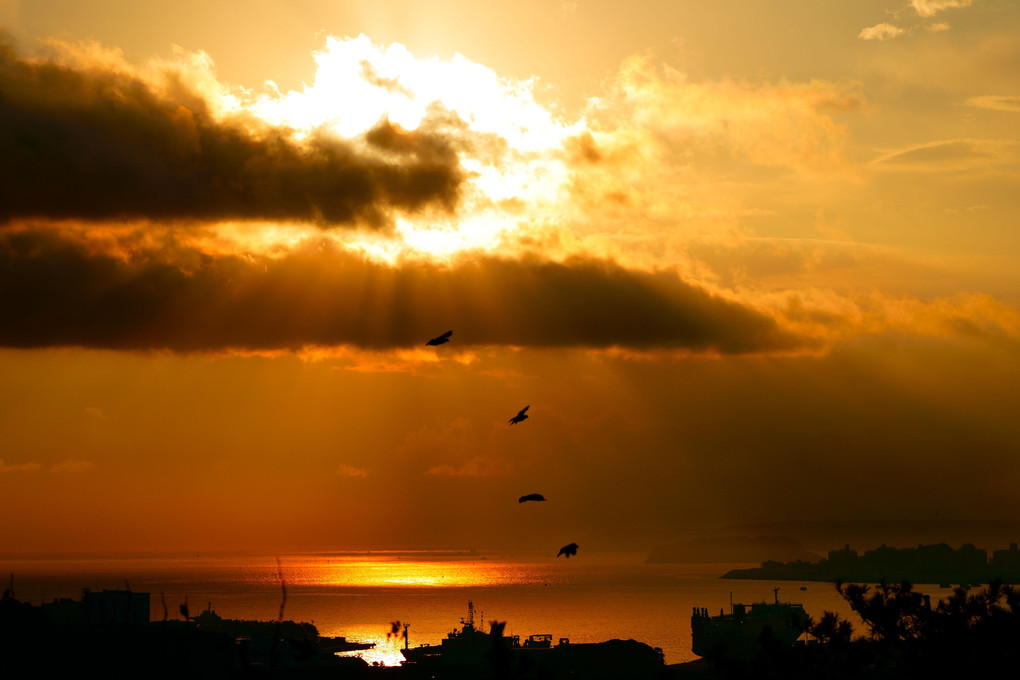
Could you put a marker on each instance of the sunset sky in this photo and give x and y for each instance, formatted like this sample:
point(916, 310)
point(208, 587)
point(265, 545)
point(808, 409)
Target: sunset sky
point(745, 261)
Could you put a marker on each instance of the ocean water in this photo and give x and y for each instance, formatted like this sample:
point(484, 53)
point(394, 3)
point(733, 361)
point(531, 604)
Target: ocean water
point(588, 598)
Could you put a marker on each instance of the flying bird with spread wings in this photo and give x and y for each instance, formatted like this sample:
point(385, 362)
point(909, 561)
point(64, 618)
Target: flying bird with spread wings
point(439, 339)
point(531, 497)
point(521, 416)
point(568, 550)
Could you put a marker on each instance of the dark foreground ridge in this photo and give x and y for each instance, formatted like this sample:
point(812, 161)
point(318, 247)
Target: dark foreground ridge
point(109, 635)
point(908, 635)
point(938, 564)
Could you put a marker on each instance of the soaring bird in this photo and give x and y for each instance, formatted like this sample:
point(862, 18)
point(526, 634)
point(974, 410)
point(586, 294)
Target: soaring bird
point(531, 497)
point(521, 416)
point(568, 550)
point(440, 339)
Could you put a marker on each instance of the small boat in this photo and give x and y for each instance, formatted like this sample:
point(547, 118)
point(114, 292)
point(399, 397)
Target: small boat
point(469, 646)
point(469, 652)
point(464, 647)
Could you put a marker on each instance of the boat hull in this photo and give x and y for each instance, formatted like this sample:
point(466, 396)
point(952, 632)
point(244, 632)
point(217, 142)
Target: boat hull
point(745, 632)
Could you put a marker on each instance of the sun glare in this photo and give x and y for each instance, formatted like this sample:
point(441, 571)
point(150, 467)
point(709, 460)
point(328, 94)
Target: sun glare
point(359, 83)
point(473, 233)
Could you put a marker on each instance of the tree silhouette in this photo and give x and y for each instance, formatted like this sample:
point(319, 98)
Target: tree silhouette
point(908, 635)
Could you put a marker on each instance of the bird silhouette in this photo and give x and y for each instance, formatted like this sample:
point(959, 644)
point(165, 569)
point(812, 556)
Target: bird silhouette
point(521, 416)
point(440, 339)
point(531, 497)
point(568, 550)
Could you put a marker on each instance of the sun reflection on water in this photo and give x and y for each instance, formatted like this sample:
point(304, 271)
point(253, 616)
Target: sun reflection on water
point(404, 570)
point(339, 587)
point(386, 652)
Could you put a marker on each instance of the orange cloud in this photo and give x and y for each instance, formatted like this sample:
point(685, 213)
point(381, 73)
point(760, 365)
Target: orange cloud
point(666, 159)
point(361, 361)
point(782, 124)
point(826, 314)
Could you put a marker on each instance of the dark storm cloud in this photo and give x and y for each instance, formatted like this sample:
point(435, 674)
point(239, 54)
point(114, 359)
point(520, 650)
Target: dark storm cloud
point(54, 291)
point(105, 145)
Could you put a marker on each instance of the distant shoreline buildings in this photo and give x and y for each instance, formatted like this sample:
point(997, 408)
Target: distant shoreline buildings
point(937, 563)
point(103, 608)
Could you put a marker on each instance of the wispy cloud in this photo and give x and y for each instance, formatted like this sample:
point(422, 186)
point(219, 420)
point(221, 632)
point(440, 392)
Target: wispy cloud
point(475, 467)
point(19, 467)
point(950, 155)
point(60, 468)
point(929, 8)
point(345, 470)
point(881, 31)
point(566, 9)
point(996, 102)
